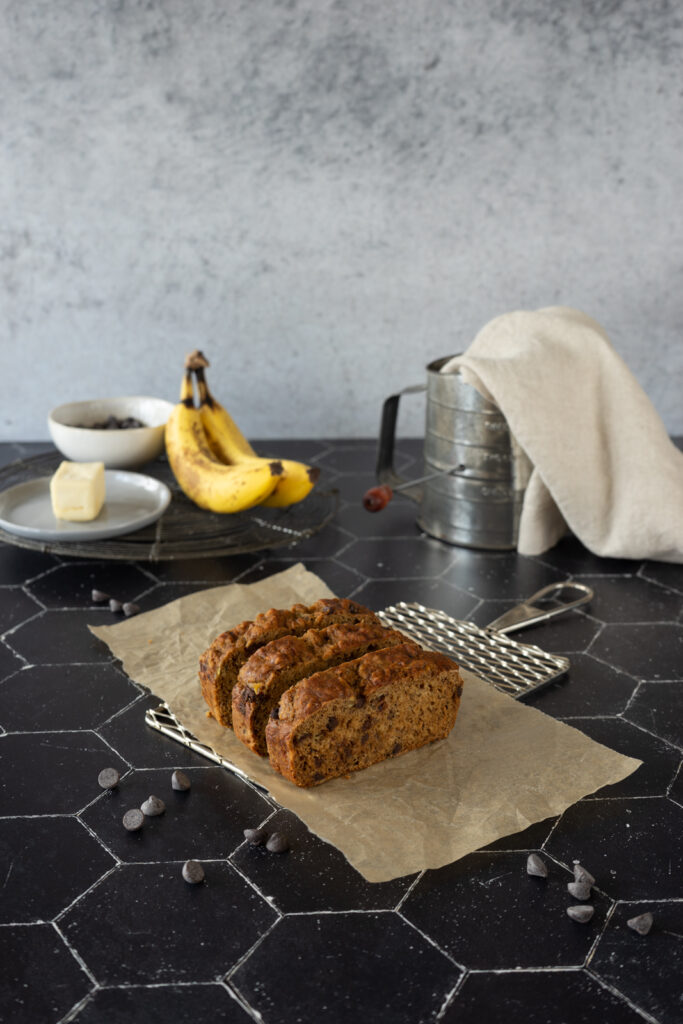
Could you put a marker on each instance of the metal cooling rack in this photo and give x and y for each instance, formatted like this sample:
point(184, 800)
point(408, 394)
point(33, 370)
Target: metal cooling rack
point(163, 720)
point(184, 530)
point(516, 669)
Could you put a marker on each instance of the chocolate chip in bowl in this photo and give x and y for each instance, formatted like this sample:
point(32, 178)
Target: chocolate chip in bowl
point(121, 432)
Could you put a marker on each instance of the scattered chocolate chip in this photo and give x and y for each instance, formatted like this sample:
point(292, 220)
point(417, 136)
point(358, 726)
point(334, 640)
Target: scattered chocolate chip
point(642, 923)
point(536, 866)
point(193, 872)
point(582, 914)
point(130, 609)
point(180, 781)
point(108, 778)
point(98, 596)
point(579, 890)
point(133, 819)
point(581, 875)
point(153, 806)
point(277, 843)
point(255, 836)
point(114, 605)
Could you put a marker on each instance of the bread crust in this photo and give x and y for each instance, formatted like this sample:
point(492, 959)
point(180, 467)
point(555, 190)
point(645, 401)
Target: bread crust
point(346, 718)
point(276, 666)
point(220, 663)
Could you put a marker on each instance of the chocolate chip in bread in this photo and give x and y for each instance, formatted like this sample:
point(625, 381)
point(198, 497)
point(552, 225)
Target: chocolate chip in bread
point(378, 706)
point(276, 666)
point(219, 665)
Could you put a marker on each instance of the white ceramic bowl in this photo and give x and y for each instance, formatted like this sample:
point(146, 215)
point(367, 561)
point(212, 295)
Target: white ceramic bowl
point(71, 431)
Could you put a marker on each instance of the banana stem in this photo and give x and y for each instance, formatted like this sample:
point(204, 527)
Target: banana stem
point(187, 390)
point(205, 396)
point(196, 360)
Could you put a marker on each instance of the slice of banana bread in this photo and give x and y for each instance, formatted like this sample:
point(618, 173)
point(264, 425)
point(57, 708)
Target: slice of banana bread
point(272, 669)
point(363, 711)
point(220, 663)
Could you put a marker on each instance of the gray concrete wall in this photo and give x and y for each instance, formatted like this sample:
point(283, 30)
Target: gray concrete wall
point(324, 195)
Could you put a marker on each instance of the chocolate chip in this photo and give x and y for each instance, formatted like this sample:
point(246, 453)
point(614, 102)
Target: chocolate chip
point(581, 875)
point(114, 605)
point(579, 890)
point(108, 778)
point(180, 781)
point(133, 819)
point(536, 866)
point(98, 596)
point(130, 609)
point(193, 872)
point(114, 423)
point(642, 923)
point(582, 914)
point(255, 836)
point(153, 806)
point(277, 843)
point(332, 723)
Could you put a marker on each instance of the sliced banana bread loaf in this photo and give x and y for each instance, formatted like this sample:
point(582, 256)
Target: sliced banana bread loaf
point(220, 663)
point(272, 669)
point(363, 711)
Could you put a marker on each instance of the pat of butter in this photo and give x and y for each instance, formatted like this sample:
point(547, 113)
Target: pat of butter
point(77, 491)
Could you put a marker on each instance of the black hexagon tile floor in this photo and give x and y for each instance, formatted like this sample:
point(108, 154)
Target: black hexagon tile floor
point(46, 863)
point(486, 912)
point(209, 817)
point(343, 967)
point(98, 924)
point(172, 930)
point(41, 697)
point(41, 978)
point(161, 1004)
point(72, 584)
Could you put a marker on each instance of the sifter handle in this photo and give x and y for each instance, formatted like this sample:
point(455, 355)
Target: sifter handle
point(386, 474)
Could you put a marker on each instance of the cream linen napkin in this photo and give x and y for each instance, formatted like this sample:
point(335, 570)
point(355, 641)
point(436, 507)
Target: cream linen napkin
point(603, 464)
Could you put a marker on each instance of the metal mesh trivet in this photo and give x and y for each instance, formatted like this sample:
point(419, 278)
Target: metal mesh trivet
point(514, 668)
point(163, 720)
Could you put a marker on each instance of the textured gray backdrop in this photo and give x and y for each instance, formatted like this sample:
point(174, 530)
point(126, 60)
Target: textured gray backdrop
point(325, 195)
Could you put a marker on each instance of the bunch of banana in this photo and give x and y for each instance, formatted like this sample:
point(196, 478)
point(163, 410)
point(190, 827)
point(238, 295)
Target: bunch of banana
point(206, 479)
point(231, 447)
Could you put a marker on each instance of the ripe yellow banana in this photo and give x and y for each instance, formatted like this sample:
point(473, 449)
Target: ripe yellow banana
point(225, 438)
point(296, 482)
point(208, 482)
point(229, 444)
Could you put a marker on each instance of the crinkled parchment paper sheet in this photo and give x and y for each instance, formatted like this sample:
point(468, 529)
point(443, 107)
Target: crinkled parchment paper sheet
point(503, 767)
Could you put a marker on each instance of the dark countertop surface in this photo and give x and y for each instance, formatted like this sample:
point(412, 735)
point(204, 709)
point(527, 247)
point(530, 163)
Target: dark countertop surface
point(95, 928)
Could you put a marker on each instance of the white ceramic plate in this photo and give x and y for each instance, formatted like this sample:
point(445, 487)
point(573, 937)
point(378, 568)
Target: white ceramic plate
point(133, 501)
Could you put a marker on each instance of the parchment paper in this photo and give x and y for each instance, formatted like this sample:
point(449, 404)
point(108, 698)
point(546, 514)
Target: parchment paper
point(503, 767)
